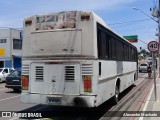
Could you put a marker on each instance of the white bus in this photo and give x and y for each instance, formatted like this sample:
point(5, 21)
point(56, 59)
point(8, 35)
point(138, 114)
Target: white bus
point(73, 58)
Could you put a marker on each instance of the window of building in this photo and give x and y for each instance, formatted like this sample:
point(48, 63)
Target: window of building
point(3, 40)
point(17, 44)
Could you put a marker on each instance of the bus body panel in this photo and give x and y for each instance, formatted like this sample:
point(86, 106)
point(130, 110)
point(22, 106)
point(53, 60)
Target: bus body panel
point(67, 100)
point(102, 86)
point(48, 78)
point(49, 55)
point(109, 76)
point(68, 38)
point(67, 42)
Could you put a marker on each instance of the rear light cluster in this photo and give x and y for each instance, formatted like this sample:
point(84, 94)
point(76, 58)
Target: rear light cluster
point(25, 82)
point(85, 16)
point(87, 81)
point(28, 22)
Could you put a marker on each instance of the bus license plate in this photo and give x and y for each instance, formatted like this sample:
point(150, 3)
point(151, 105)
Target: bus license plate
point(53, 100)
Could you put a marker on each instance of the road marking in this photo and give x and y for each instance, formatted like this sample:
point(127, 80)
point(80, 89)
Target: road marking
point(147, 100)
point(9, 98)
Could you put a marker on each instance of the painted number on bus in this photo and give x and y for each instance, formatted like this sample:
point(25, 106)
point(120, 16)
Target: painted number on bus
point(153, 46)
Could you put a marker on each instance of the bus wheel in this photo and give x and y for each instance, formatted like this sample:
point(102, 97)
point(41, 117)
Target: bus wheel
point(116, 96)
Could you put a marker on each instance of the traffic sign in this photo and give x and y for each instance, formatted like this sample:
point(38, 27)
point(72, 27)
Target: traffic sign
point(153, 46)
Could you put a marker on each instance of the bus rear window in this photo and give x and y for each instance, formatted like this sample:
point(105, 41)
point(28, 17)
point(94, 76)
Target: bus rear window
point(60, 20)
point(143, 65)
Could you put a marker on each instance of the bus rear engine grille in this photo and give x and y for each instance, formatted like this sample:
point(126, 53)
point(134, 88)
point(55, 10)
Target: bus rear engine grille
point(39, 73)
point(69, 73)
point(87, 69)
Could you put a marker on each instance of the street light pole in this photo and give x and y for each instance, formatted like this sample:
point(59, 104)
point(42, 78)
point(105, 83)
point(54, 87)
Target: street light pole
point(144, 13)
point(159, 35)
point(153, 54)
point(157, 21)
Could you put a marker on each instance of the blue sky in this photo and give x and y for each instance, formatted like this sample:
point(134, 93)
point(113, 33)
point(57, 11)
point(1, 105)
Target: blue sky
point(118, 14)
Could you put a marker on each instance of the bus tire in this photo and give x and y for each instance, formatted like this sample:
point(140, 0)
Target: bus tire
point(116, 96)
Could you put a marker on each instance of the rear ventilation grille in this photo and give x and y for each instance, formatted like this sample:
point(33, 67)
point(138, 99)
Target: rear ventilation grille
point(87, 69)
point(39, 73)
point(25, 69)
point(69, 73)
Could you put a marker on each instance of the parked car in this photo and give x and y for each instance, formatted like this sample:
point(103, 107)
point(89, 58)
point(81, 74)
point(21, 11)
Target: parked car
point(143, 67)
point(4, 72)
point(13, 80)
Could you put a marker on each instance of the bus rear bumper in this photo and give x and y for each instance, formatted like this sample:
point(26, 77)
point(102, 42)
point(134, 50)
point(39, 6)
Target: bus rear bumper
point(60, 100)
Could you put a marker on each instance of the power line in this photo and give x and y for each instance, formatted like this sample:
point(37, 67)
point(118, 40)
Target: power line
point(127, 23)
point(135, 21)
point(142, 41)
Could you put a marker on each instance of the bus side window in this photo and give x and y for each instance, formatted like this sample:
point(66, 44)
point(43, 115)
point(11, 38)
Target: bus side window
point(113, 49)
point(107, 46)
point(99, 68)
point(103, 45)
point(99, 41)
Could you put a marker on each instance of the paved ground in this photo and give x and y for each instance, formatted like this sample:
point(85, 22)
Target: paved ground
point(151, 105)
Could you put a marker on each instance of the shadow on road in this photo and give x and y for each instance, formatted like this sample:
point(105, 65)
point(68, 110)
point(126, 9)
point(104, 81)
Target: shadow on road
point(73, 113)
point(16, 92)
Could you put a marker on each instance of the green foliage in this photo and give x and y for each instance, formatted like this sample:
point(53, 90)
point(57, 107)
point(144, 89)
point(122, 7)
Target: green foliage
point(143, 51)
point(143, 54)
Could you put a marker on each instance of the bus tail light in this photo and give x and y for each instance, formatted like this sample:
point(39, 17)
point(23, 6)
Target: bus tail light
point(87, 81)
point(28, 22)
point(25, 82)
point(85, 16)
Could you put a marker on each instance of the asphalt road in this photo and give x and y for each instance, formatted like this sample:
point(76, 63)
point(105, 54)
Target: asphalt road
point(10, 101)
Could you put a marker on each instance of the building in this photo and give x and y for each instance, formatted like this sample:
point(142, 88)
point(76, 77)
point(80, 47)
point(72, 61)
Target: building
point(10, 47)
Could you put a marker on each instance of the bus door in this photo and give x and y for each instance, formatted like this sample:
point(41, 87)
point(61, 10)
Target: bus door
point(55, 78)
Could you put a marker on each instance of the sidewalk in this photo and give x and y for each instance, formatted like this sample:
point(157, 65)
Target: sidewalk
point(150, 104)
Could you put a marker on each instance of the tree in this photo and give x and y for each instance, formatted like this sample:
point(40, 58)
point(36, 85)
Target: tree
point(143, 51)
point(143, 54)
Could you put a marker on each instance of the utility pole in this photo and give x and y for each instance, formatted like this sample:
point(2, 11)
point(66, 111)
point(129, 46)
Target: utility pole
point(159, 34)
point(153, 47)
point(154, 75)
point(156, 13)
